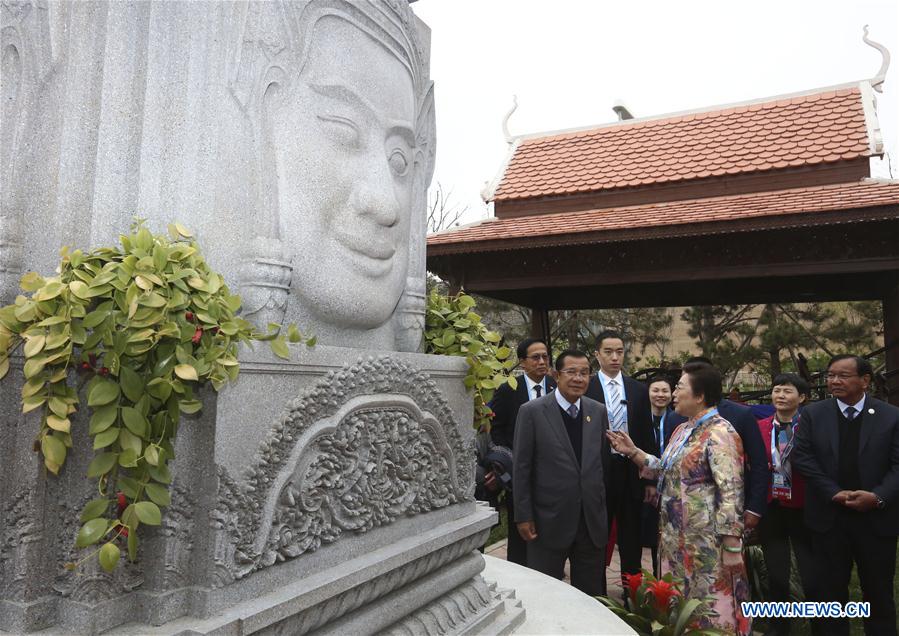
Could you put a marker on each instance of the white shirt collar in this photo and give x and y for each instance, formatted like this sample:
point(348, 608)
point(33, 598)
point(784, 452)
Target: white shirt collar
point(858, 406)
point(530, 384)
point(606, 379)
point(565, 403)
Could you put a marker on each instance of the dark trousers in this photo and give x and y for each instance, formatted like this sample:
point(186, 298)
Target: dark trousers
point(851, 539)
point(627, 508)
point(516, 547)
point(588, 562)
point(780, 529)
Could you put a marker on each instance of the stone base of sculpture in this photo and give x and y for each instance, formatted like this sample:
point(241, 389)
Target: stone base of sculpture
point(329, 493)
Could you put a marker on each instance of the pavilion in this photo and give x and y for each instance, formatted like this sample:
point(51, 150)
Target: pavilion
point(765, 201)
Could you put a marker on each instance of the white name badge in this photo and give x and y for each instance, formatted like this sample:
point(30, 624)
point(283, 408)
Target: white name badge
point(780, 489)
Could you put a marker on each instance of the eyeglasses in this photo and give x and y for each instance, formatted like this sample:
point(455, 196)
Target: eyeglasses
point(840, 376)
point(537, 357)
point(680, 387)
point(576, 373)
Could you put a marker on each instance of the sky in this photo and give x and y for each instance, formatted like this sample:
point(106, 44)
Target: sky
point(568, 61)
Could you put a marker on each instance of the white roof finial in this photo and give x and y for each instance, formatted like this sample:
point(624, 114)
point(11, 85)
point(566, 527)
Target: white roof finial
point(877, 80)
point(506, 132)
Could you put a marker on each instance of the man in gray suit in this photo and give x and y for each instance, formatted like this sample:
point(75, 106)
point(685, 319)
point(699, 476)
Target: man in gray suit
point(561, 452)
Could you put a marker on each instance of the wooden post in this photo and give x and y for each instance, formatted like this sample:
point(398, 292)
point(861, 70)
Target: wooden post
point(540, 325)
point(891, 340)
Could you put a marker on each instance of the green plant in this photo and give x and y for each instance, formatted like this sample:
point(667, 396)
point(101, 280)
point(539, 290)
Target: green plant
point(453, 328)
point(658, 608)
point(137, 329)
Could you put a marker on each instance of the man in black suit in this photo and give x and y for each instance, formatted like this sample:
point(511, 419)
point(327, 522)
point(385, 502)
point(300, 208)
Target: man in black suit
point(627, 403)
point(847, 447)
point(561, 452)
point(757, 475)
point(533, 357)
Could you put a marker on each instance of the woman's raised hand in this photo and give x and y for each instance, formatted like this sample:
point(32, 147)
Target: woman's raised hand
point(621, 442)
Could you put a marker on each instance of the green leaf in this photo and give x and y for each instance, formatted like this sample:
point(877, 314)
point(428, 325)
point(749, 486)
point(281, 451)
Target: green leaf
point(132, 544)
point(135, 421)
point(160, 473)
point(102, 464)
point(186, 372)
point(59, 407)
point(91, 532)
point(107, 437)
point(79, 288)
point(128, 458)
point(152, 454)
point(684, 616)
point(34, 366)
point(130, 441)
point(159, 494)
point(94, 509)
point(131, 383)
point(148, 513)
point(280, 348)
point(34, 345)
point(293, 334)
point(95, 318)
point(190, 406)
point(53, 449)
point(109, 556)
point(103, 418)
point(103, 392)
point(32, 281)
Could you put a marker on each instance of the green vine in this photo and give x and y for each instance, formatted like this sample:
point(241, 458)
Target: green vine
point(452, 328)
point(143, 326)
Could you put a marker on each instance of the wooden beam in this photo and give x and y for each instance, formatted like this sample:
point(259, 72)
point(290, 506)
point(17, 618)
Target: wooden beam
point(540, 326)
point(891, 340)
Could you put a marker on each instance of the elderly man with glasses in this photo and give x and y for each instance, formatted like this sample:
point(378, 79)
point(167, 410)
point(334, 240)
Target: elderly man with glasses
point(847, 448)
point(561, 452)
point(535, 382)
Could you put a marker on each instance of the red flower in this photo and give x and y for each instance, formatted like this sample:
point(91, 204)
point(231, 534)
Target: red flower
point(121, 502)
point(633, 582)
point(189, 316)
point(197, 335)
point(93, 359)
point(662, 592)
point(104, 371)
point(85, 366)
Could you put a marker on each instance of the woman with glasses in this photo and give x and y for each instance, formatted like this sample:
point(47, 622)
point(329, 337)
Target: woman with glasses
point(700, 483)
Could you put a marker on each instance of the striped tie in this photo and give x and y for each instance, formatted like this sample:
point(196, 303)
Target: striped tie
point(616, 408)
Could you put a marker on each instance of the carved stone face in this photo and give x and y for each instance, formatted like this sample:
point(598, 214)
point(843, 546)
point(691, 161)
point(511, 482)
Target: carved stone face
point(343, 138)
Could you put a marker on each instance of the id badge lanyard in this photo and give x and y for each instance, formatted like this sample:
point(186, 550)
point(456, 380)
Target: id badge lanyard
point(662, 433)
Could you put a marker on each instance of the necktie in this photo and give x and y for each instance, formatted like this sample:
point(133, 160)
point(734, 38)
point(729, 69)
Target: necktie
point(615, 407)
point(850, 413)
point(537, 389)
point(572, 411)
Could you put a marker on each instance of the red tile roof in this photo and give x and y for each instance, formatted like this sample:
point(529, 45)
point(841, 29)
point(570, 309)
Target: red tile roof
point(824, 127)
point(801, 206)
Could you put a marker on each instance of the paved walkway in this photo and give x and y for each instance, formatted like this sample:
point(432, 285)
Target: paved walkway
point(613, 572)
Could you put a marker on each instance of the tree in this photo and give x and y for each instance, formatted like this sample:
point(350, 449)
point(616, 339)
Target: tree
point(443, 212)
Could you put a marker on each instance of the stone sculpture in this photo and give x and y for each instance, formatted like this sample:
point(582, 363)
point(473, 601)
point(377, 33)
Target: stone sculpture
point(328, 493)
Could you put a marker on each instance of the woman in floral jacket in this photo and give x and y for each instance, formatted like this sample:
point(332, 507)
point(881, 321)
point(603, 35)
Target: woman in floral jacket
point(701, 488)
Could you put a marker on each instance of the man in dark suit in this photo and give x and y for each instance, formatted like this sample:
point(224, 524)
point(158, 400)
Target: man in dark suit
point(560, 500)
point(627, 403)
point(847, 447)
point(533, 357)
point(757, 476)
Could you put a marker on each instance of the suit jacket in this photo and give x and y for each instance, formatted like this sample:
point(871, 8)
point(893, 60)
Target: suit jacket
point(816, 454)
point(505, 404)
point(757, 478)
point(549, 486)
point(639, 424)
